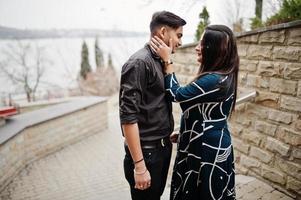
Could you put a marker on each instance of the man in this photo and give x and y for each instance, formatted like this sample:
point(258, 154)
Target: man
point(145, 114)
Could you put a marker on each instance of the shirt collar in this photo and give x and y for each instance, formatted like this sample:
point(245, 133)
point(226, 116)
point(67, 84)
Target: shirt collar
point(154, 55)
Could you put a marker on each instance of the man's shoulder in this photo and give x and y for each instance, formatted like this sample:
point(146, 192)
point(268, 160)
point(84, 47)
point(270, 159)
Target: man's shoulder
point(142, 55)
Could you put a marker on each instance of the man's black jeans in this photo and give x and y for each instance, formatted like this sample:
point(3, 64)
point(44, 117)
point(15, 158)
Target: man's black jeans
point(157, 161)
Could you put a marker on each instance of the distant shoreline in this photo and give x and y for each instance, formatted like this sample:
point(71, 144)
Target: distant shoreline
point(7, 33)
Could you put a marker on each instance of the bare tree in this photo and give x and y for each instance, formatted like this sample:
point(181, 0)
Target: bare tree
point(24, 65)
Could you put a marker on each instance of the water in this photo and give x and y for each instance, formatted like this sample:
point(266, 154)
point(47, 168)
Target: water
point(64, 54)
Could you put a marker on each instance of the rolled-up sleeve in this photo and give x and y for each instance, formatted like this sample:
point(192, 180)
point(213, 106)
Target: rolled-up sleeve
point(132, 83)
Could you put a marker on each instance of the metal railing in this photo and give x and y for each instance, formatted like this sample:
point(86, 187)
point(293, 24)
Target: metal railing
point(246, 97)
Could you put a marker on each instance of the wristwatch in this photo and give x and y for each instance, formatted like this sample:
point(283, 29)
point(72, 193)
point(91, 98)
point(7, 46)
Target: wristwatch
point(168, 62)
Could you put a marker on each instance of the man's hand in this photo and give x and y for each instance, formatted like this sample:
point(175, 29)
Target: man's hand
point(141, 174)
point(142, 177)
point(174, 137)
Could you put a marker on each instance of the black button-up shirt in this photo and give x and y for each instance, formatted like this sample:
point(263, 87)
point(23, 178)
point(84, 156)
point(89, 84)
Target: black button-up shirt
point(142, 97)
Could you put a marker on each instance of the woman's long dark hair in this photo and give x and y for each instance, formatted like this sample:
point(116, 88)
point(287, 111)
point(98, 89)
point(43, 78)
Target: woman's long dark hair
point(219, 55)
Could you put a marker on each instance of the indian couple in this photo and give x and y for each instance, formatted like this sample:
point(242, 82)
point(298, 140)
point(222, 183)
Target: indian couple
point(204, 165)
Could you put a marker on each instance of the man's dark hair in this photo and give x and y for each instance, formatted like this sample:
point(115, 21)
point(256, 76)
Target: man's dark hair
point(165, 18)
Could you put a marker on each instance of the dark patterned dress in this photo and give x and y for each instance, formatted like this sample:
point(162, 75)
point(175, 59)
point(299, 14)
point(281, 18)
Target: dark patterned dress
point(204, 166)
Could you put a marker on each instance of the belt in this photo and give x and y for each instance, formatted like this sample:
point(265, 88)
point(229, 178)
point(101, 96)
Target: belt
point(155, 143)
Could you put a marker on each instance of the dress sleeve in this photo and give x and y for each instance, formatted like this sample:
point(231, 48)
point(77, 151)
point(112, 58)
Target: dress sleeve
point(199, 90)
point(132, 83)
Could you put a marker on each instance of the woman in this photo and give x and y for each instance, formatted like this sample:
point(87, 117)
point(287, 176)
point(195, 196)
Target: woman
point(204, 166)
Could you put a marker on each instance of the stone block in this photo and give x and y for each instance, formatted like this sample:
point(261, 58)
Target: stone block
point(290, 103)
point(185, 59)
point(291, 71)
point(272, 37)
point(248, 65)
point(289, 136)
point(241, 170)
point(273, 175)
point(298, 124)
point(277, 146)
point(283, 86)
point(268, 99)
point(248, 39)
point(260, 112)
point(242, 78)
point(268, 68)
point(293, 184)
point(287, 53)
point(240, 145)
point(250, 163)
point(252, 137)
point(245, 121)
point(260, 154)
point(236, 129)
point(252, 80)
point(294, 36)
point(296, 153)
point(259, 52)
point(288, 167)
point(299, 89)
point(266, 128)
point(242, 50)
point(279, 116)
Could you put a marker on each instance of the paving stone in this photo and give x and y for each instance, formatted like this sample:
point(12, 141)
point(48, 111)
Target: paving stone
point(92, 170)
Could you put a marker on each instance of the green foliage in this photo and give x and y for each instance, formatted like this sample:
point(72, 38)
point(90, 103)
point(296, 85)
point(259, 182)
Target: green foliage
point(256, 22)
point(204, 21)
point(290, 11)
point(98, 55)
point(85, 66)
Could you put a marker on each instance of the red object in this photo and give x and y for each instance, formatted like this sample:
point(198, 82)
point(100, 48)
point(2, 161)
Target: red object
point(8, 111)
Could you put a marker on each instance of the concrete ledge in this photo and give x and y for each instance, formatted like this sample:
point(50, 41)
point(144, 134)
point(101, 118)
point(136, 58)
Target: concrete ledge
point(292, 24)
point(18, 123)
point(34, 135)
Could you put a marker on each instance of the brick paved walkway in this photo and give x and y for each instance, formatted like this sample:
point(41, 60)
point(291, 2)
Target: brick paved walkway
point(92, 170)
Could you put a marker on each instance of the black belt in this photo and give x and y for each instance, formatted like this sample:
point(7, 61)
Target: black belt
point(155, 143)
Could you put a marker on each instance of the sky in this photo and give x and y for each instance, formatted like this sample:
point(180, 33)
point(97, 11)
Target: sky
point(131, 15)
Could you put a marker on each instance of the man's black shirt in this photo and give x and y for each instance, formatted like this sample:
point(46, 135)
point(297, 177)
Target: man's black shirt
point(142, 97)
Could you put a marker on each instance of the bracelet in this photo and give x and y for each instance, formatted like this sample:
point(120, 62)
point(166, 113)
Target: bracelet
point(138, 161)
point(141, 173)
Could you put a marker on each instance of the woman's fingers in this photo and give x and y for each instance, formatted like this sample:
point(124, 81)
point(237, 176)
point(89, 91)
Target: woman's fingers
point(159, 41)
point(155, 41)
point(153, 46)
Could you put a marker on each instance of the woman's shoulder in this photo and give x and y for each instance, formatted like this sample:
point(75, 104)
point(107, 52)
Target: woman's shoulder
point(212, 77)
point(210, 80)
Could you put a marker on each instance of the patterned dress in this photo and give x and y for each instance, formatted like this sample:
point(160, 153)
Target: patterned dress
point(204, 166)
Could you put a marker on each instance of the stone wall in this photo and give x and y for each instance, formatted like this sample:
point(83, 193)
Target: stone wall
point(266, 132)
point(67, 123)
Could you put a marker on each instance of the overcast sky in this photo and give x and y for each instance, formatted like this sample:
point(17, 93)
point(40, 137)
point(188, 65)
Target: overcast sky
point(132, 15)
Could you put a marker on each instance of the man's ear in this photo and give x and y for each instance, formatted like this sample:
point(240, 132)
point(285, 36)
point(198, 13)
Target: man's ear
point(162, 32)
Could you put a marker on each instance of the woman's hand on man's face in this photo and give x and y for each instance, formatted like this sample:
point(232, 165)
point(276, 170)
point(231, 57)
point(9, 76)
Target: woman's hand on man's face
point(161, 48)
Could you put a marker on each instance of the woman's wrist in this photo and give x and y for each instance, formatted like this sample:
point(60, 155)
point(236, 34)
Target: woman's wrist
point(169, 69)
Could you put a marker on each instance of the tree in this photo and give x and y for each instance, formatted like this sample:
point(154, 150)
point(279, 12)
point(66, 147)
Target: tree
point(204, 21)
point(258, 8)
point(256, 21)
point(85, 66)
point(289, 11)
point(110, 62)
point(24, 65)
point(98, 55)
